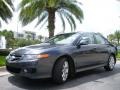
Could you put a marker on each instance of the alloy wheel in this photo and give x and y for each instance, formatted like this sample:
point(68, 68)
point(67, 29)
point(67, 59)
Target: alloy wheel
point(65, 71)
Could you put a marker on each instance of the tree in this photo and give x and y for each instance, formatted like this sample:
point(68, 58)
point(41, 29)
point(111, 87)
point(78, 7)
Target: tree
point(30, 35)
point(111, 38)
point(45, 11)
point(40, 37)
point(9, 35)
point(6, 8)
point(25, 42)
point(117, 36)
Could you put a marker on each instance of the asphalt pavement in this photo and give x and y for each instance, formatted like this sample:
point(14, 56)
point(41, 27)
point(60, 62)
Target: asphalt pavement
point(97, 79)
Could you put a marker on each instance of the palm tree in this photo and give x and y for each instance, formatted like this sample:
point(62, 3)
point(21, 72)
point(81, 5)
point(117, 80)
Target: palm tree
point(6, 8)
point(45, 11)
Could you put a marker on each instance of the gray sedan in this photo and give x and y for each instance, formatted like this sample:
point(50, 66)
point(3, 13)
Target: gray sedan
point(62, 56)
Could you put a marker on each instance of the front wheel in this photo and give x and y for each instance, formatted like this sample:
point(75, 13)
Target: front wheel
point(111, 64)
point(61, 71)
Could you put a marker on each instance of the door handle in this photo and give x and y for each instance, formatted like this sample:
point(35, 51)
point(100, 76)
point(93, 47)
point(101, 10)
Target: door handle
point(94, 48)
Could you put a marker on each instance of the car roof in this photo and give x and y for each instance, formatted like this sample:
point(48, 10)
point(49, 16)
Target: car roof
point(80, 33)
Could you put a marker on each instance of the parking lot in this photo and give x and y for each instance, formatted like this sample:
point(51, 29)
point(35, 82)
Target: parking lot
point(97, 79)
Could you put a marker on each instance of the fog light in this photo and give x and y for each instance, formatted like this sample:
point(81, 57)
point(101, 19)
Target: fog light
point(29, 70)
point(25, 70)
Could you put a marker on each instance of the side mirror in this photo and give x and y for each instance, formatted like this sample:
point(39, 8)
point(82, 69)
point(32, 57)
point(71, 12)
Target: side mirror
point(84, 41)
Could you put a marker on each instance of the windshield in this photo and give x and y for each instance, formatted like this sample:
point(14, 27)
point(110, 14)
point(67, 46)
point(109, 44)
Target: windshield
point(63, 38)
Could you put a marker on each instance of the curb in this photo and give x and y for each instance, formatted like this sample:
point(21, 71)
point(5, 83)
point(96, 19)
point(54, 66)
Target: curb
point(3, 68)
point(118, 59)
point(4, 74)
point(3, 71)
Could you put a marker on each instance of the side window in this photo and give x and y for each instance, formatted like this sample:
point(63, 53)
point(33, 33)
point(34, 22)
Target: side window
point(99, 39)
point(88, 37)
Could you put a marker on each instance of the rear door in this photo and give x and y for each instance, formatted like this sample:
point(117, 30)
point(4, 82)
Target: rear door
point(101, 49)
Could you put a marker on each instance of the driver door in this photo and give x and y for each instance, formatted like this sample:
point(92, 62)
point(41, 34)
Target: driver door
point(85, 54)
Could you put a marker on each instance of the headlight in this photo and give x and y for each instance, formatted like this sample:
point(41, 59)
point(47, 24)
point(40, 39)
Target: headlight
point(31, 57)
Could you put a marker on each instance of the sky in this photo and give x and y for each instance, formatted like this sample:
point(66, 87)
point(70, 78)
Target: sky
point(99, 16)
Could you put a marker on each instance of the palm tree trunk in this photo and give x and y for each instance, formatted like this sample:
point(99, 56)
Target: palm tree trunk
point(51, 22)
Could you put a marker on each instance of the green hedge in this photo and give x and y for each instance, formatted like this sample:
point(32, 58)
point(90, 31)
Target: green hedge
point(2, 60)
point(4, 52)
point(118, 55)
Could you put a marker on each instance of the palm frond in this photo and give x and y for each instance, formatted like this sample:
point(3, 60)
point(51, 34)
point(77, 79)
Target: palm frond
point(42, 17)
point(62, 19)
point(44, 23)
point(31, 11)
point(25, 2)
point(5, 11)
point(72, 7)
point(69, 18)
point(9, 2)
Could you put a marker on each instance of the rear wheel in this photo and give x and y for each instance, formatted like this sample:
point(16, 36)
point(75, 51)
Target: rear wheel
point(111, 63)
point(61, 71)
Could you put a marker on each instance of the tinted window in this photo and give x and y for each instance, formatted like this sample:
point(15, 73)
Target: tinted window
point(99, 39)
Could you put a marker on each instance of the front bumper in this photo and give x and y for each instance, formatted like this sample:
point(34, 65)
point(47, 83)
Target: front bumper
point(31, 69)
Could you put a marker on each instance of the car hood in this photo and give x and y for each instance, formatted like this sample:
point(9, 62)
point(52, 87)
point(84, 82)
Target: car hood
point(34, 49)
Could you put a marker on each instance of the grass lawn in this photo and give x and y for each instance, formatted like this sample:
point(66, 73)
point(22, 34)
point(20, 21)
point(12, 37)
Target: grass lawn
point(2, 60)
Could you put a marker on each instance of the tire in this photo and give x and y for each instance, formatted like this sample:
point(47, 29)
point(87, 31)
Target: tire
point(111, 63)
point(61, 71)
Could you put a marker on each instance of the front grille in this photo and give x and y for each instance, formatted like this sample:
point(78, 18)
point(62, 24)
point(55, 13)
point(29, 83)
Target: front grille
point(13, 69)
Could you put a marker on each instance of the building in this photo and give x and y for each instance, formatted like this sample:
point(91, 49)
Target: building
point(2, 42)
point(19, 35)
point(25, 35)
point(29, 35)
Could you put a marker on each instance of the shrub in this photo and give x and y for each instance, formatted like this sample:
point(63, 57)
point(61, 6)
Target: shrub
point(4, 52)
point(2, 60)
point(24, 42)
